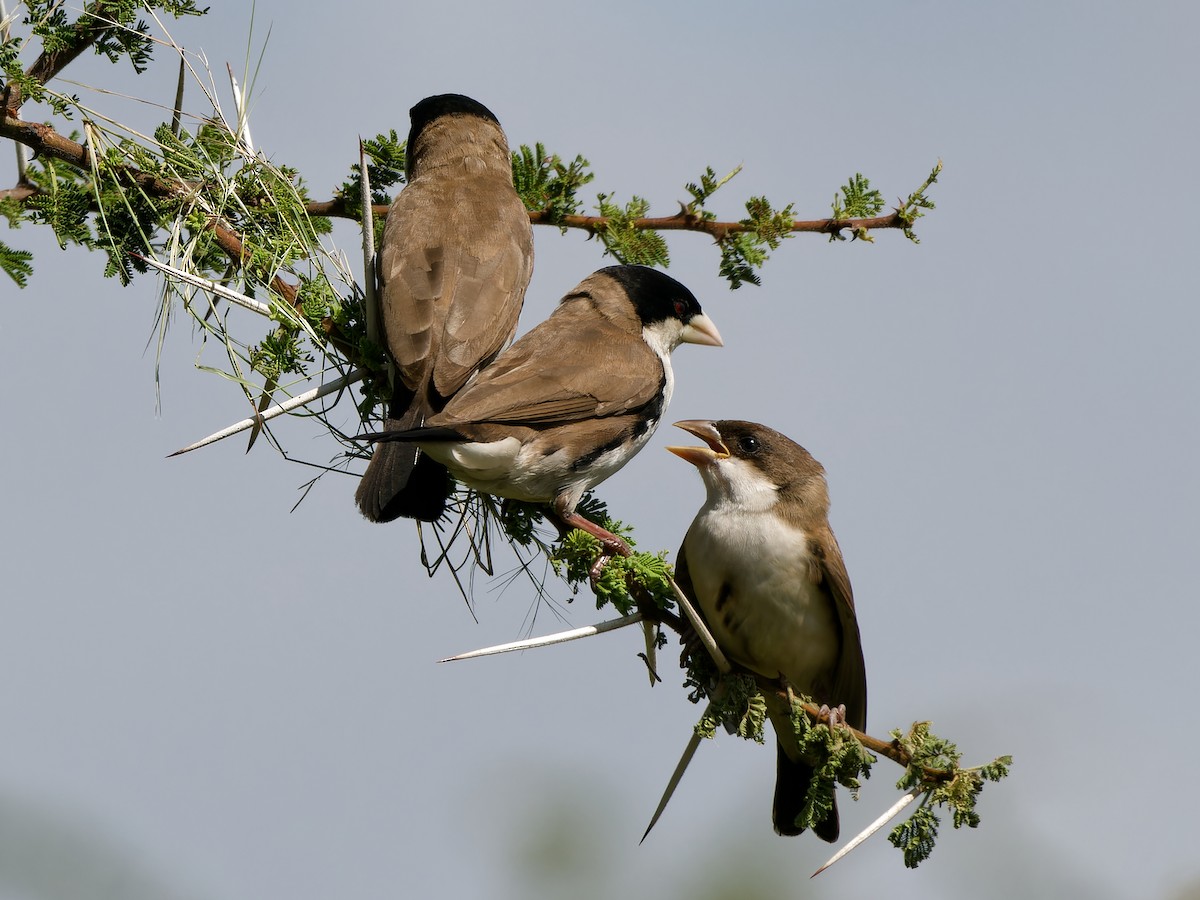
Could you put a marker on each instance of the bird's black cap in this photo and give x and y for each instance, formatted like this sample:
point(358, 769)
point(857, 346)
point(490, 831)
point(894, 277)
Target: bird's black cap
point(655, 295)
point(445, 105)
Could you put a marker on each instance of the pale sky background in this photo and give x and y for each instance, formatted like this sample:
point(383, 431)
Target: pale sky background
point(206, 695)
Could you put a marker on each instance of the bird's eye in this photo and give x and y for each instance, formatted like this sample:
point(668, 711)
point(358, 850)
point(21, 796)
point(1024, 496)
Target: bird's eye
point(748, 444)
point(680, 309)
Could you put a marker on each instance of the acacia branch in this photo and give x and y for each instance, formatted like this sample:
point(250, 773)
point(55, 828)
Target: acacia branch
point(681, 221)
point(45, 141)
point(87, 30)
point(686, 221)
point(891, 749)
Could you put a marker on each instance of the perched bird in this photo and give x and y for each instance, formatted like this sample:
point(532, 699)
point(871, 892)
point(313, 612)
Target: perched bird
point(572, 400)
point(764, 568)
point(456, 257)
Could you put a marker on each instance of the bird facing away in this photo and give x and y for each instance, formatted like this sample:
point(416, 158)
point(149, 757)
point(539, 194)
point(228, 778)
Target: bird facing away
point(456, 257)
point(572, 400)
point(763, 566)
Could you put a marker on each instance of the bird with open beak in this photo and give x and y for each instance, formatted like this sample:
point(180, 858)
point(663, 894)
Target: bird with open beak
point(763, 566)
point(574, 399)
point(454, 262)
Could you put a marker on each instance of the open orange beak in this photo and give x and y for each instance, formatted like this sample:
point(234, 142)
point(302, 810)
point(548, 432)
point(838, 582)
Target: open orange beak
point(707, 432)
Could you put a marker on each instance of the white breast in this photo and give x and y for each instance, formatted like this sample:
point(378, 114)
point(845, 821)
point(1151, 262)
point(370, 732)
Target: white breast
point(772, 618)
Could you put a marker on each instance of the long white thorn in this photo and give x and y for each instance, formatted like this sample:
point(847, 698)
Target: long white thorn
point(650, 633)
point(243, 114)
point(277, 410)
point(561, 637)
point(895, 810)
point(206, 284)
point(688, 752)
point(702, 631)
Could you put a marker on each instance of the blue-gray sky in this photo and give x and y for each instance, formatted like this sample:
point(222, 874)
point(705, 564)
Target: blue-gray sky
point(211, 692)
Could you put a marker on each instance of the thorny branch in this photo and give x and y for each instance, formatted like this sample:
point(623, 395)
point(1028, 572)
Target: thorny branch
point(681, 221)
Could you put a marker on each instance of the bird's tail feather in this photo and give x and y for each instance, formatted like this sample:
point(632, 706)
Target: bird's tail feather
point(402, 482)
point(792, 779)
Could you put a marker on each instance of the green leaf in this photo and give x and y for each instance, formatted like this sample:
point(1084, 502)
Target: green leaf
point(708, 185)
point(548, 185)
point(858, 200)
point(624, 240)
point(17, 264)
point(915, 836)
point(386, 160)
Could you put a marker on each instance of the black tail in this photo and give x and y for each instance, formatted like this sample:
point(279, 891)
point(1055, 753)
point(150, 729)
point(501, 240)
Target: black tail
point(401, 481)
point(791, 786)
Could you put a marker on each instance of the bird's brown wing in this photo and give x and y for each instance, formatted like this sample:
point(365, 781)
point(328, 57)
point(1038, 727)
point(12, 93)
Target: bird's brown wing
point(570, 367)
point(683, 578)
point(850, 680)
point(454, 270)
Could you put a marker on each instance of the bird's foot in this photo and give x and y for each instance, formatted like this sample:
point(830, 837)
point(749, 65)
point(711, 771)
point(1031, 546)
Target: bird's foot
point(835, 716)
point(597, 568)
point(610, 546)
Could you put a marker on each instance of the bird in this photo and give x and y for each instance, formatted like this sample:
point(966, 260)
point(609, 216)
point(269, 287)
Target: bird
point(763, 566)
point(572, 400)
point(454, 263)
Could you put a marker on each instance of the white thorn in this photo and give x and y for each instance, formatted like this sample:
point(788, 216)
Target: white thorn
point(650, 633)
point(895, 810)
point(702, 631)
point(688, 752)
point(263, 309)
point(561, 637)
point(243, 115)
point(370, 303)
point(277, 410)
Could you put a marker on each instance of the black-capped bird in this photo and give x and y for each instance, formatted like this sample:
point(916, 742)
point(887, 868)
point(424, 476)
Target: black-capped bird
point(456, 257)
point(766, 572)
point(572, 400)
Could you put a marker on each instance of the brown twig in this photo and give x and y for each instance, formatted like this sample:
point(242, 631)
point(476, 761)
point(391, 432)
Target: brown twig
point(19, 193)
point(87, 30)
point(681, 221)
point(685, 221)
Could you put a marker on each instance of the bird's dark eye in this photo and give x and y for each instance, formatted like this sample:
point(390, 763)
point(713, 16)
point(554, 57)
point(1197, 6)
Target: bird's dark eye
point(748, 444)
point(680, 309)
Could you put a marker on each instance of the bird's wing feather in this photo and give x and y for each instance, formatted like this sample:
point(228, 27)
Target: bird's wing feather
point(452, 281)
point(534, 383)
point(850, 681)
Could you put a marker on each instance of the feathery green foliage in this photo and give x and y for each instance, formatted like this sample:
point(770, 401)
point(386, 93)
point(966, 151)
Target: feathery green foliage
point(624, 239)
point(701, 191)
point(858, 201)
point(744, 252)
point(911, 209)
point(16, 264)
point(736, 705)
point(935, 766)
point(387, 158)
point(112, 28)
point(548, 185)
point(916, 835)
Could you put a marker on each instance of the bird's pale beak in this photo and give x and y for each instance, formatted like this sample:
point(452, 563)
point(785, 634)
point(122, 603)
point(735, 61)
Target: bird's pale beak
point(701, 330)
point(707, 432)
